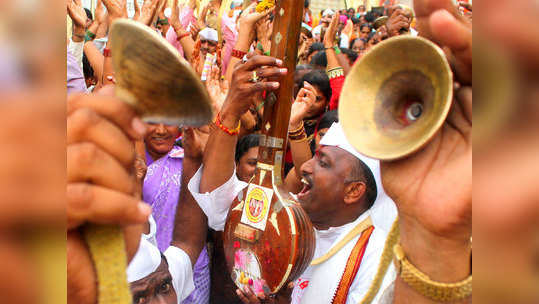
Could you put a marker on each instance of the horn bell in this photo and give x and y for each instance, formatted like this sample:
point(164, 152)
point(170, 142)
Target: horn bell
point(396, 97)
point(153, 77)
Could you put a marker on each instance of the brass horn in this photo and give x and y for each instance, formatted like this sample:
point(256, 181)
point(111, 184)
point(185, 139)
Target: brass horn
point(155, 79)
point(396, 97)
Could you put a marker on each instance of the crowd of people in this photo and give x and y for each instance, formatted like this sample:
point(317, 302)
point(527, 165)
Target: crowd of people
point(177, 185)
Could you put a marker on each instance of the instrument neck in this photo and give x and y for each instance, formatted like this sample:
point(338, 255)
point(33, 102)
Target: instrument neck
point(277, 106)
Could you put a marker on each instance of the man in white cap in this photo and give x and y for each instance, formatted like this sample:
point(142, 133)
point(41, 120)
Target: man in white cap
point(344, 199)
point(160, 278)
point(206, 44)
point(209, 38)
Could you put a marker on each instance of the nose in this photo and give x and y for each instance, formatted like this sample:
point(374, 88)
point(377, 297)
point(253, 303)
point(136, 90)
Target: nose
point(161, 129)
point(307, 167)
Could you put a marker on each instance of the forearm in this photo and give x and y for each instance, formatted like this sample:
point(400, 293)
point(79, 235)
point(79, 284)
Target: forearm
point(443, 260)
point(219, 153)
point(95, 58)
point(333, 62)
point(188, 46)
point(93, 28)
point(242, 44)
point(102, 30)
point(343, 62)
point(108, 69)
point(190, 224)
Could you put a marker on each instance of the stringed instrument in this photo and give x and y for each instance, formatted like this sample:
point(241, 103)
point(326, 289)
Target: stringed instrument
point(268, 238)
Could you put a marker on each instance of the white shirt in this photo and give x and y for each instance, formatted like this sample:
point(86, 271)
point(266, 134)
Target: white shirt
point(181, 270)
point(217, 203)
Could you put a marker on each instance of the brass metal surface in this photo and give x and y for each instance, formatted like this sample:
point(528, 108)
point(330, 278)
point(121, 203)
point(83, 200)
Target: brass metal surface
point(398, 78)
point(153, 77)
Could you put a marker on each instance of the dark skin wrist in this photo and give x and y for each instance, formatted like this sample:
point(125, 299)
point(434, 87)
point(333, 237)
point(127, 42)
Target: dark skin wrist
point(230, 116)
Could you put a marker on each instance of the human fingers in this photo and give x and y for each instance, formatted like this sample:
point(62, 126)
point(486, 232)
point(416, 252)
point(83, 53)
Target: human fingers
point(111, 108)
point(247, 296)
point(263, 86)
point(424, 8)
point(100, 205)
point(267, 72)
point(84, 125)
point(259, 60)
point(264, 13)
point(448, 31)
point(87, 162)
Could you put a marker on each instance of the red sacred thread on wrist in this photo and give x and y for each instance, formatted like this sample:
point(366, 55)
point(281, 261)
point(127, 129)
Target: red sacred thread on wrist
point(220, 125)
point(238, 54)
point(182, 36)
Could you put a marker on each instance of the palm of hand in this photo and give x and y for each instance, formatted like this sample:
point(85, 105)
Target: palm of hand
point(434, 185)
point(77, 14)
point(116, 8)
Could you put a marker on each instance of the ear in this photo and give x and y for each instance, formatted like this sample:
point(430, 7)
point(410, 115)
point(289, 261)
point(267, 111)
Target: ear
point(353, 192)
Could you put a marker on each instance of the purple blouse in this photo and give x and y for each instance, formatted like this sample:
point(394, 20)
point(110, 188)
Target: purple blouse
point(162, 190)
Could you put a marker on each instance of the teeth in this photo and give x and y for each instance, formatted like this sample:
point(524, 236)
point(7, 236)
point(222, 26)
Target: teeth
point(303, 180)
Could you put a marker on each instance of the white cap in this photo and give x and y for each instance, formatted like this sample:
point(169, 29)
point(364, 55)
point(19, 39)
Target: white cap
point(145, 262)
point(328, 12)
point(317, 30)
point(209, 34)
point(384, 211)
point(168, 12)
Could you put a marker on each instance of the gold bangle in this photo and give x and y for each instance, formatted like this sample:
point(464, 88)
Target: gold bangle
point(298, 129)
point(421, 283)
point(334, 73)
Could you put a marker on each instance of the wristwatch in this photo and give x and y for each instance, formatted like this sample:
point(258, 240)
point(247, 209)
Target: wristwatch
point(421, 283)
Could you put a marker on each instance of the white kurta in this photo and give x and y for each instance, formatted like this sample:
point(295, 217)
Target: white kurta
point(217, 203)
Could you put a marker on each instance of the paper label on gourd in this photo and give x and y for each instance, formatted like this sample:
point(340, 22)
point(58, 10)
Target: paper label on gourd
point(256, 207)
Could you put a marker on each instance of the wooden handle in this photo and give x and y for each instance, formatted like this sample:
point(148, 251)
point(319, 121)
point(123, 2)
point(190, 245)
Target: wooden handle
point(284, 45)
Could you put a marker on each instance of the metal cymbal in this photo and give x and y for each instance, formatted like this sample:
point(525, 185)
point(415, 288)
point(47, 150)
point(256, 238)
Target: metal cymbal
point(155, 79)
point(396, 97)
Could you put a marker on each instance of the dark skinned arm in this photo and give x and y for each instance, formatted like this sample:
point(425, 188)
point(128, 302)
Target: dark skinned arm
point(190, 224)
point(220, 149)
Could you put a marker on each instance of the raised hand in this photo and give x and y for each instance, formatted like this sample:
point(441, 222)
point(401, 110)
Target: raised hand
point(250, 17)
point(397, 21)
point(100, 13)
point(77, 13)
point(101, 183)
point(432, 188)
point(217, 88)
point(244, 87)
point(148, 12)
point(136, 16)
point(331, 32)
point(116, 9)
point(305, 98)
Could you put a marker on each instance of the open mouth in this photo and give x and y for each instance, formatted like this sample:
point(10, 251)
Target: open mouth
point(307, 185)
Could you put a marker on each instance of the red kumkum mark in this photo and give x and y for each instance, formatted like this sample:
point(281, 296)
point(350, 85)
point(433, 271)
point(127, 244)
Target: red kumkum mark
point(237, 244)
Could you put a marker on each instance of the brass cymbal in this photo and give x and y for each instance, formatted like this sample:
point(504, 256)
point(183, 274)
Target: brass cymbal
point(396, 97)
point(155, 79)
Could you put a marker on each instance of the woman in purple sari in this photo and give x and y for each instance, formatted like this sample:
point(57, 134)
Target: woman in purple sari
point(161, 190)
